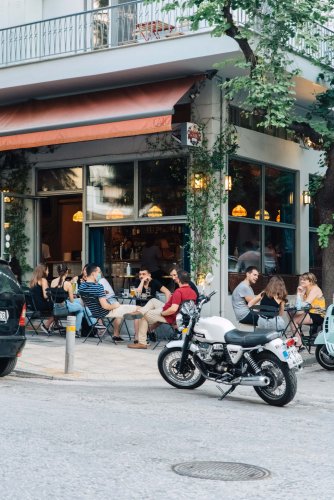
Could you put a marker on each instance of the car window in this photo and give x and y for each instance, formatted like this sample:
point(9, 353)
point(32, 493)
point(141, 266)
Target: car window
point(8, 283)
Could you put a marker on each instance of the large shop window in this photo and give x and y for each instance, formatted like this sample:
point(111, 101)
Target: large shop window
point(110, 192)
point(261, 218)
point(315, 255)
point(158, 185)
point(59, 179)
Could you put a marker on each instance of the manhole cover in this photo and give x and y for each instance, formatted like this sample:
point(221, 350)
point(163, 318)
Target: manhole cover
point(221, 471)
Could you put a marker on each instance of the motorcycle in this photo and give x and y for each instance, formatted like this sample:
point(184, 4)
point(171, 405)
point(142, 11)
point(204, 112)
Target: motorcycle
point(212, 349)
point(324, 342)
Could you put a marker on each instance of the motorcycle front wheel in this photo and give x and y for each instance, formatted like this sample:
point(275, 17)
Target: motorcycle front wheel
point(283, 381)
point(324, 358)
point(169, 364)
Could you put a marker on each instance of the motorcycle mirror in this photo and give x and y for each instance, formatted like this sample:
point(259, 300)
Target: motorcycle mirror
point(208, 279)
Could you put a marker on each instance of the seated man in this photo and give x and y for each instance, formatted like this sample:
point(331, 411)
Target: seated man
point(104, 309)
point(173, 274)
point(156, 311)
point(243, 298)
point(146, 281)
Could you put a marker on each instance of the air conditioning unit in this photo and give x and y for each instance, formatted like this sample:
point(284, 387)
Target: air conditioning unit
point(187, 134)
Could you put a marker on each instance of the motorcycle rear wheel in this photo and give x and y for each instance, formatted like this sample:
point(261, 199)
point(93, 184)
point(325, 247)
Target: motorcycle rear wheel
point(283, 381)
point(324, 358)
point(168, 364)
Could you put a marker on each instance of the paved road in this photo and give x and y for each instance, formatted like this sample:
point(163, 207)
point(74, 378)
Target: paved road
point(98, 440)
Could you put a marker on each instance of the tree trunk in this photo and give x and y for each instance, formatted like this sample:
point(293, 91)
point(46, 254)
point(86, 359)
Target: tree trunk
point(325, 203)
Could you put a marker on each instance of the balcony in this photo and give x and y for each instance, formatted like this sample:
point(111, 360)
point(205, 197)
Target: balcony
point(106, 28)
point(111, 27)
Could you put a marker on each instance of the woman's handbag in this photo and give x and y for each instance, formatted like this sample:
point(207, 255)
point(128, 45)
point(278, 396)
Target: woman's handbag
point(60, 310)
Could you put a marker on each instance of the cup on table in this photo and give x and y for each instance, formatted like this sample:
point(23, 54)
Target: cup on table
point(132, 291)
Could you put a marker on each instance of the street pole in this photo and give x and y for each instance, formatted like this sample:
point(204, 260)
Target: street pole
point(70, 344)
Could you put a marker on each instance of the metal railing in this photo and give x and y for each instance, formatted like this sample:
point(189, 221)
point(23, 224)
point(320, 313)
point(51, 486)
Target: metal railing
point(114, 26)
point(127, 23)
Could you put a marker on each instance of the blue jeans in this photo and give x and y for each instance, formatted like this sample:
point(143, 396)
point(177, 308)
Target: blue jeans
point(77, 308)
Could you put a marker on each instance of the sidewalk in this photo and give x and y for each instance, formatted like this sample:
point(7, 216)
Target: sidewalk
point(45, 357)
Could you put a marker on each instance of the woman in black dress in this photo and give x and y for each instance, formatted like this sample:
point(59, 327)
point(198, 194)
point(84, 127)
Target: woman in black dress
point(38, 286)
point(274, 296)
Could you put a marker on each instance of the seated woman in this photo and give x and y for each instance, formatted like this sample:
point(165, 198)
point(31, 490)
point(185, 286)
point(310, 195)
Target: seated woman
point(73, 305)
point(81, 277)
point(274, 295)
point(310, 293)
point(38, 286)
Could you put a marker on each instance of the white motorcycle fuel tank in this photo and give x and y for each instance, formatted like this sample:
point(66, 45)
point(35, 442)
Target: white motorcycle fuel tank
point(212, 329)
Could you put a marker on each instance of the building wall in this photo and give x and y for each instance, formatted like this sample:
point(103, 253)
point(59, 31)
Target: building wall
point(62, 7)
point(14, 12)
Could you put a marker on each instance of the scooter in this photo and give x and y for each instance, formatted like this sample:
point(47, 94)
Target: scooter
point(324, 342)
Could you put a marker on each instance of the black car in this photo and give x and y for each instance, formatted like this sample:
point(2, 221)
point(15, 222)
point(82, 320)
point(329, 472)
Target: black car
point(12, 319)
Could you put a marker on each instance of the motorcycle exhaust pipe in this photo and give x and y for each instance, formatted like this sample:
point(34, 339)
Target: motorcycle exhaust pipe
point(256, 381)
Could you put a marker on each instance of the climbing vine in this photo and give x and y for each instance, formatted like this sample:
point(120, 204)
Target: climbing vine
point(204, 194)
point(15, 169)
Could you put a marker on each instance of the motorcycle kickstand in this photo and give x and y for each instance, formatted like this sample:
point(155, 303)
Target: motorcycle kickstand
point(224, 394)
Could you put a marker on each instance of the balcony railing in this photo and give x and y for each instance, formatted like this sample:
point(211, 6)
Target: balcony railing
point(110, 27)
point(106, 28)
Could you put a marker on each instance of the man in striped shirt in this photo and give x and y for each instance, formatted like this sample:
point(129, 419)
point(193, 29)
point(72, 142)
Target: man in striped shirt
point(103, 308)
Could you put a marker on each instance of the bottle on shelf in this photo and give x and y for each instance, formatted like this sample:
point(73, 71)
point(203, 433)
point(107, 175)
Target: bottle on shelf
point(128, 270)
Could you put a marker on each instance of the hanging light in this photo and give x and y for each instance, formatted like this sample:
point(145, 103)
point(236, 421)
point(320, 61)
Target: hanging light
point(258, 215)
point(115, 213)
point(78, 216)
point(306, 197)
point(239, 211)
point(228, 183)
point(6, 225)
point(199, 181)
point(7, 199)
point(154, 211)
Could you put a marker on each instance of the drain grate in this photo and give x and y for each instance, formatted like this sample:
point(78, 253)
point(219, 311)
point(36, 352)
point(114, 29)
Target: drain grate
point(221, 471)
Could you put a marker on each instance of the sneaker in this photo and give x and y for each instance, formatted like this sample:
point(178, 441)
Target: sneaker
point(117, 339)
point(44, 330)
point(137, 346)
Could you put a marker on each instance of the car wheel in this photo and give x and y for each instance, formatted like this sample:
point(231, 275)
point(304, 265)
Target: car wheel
point(7, 365)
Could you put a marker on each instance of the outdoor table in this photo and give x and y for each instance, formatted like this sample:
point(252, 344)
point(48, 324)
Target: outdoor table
point(291, 312)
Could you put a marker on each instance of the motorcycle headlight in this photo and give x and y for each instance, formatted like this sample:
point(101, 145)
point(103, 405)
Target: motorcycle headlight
point(179, 321)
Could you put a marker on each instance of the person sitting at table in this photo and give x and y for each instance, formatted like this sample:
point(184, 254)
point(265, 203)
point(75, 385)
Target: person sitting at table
point(311, 294)
point(115, 310)
point(243, 298)
point(74, 305)
point(143, 284)
point(146, 282)
point(156, 311)
point(173, 274)
point(81, 277)
point(274, 295)
point(38, 286)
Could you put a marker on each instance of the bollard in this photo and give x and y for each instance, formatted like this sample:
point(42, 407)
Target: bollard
point(70, 344)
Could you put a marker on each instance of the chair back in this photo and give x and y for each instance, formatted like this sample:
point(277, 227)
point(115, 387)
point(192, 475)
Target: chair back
point(92, 303)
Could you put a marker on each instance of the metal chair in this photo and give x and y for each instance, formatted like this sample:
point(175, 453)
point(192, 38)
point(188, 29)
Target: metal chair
point(92, 302)
point(33, 313)
point(171, 334)
point(267, 312)
point(58, 295)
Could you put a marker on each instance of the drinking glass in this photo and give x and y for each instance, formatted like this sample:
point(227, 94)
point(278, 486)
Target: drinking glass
point(132, 291)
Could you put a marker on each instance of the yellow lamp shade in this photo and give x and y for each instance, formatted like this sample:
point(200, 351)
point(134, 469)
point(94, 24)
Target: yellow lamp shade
point(78, 216)
point(258, 215)
point(115, 213)
point(154, 211)
point(239, 211)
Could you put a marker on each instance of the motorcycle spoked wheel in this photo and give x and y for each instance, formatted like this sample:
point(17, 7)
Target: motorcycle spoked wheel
point(283, 381)
point(324, 358)
point(169, 363)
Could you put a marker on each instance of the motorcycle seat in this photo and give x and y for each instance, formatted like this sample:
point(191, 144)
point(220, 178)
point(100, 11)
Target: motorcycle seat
point(250, 339)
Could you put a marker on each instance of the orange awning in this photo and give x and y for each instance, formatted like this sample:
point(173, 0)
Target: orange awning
point(122, 112)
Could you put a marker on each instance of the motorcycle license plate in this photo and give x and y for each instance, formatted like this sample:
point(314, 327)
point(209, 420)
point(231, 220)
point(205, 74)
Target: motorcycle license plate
point(294, 358)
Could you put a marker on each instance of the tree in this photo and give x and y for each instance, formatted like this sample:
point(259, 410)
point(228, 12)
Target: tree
point(265, 83)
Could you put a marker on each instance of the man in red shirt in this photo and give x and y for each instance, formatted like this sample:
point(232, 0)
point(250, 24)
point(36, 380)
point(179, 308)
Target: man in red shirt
point(156, 311)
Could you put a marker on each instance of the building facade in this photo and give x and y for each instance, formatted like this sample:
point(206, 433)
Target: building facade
point(90, 90)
